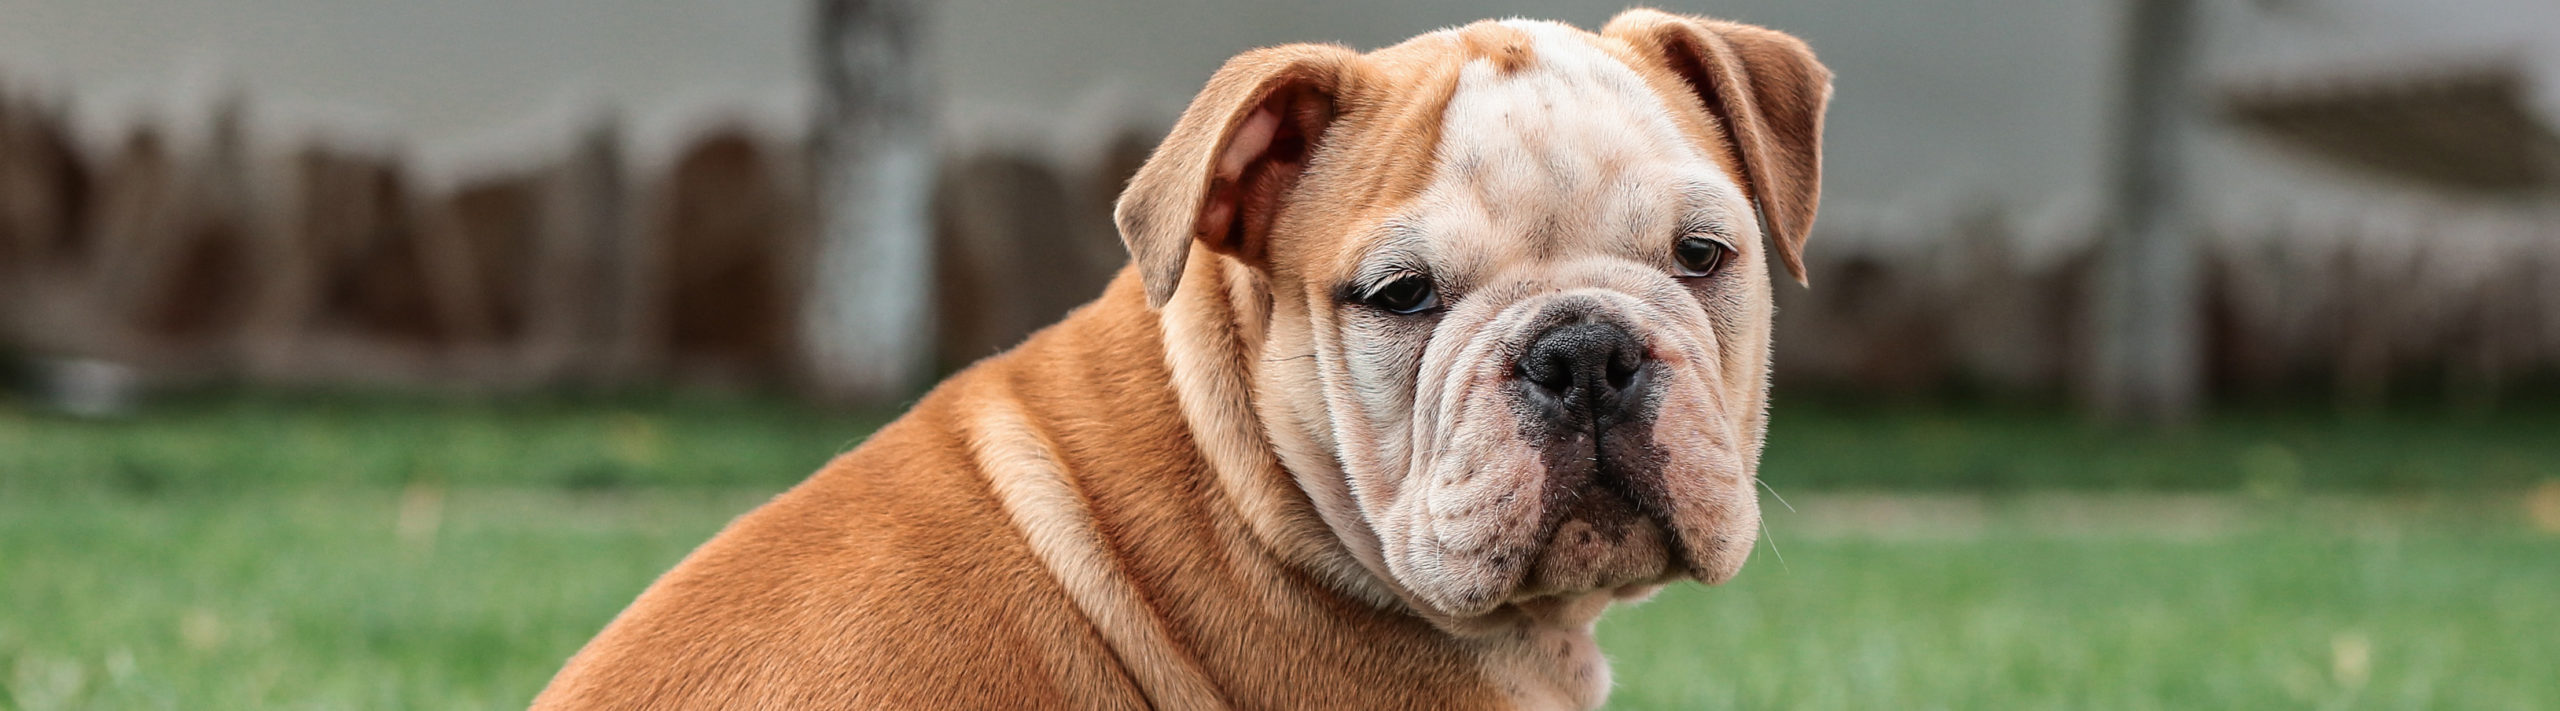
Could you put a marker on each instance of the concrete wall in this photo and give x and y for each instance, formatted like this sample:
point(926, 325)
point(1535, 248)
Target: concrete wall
point(1939, 102)
point(1937, 99)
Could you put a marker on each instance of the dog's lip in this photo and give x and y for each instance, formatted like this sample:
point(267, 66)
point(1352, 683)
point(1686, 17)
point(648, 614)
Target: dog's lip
point(1670, 573)
point(1628, 590)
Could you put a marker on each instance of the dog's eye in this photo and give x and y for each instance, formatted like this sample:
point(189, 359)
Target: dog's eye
point(1405, 294)
point(1700, 256)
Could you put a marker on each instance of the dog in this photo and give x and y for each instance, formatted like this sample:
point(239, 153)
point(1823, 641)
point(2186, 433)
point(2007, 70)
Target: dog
point(1424, 359)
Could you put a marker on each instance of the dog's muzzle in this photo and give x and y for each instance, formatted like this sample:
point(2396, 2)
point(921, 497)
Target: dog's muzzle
point(1585, 388)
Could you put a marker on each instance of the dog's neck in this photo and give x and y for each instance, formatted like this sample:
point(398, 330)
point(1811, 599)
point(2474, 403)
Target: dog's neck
point(1288, 484)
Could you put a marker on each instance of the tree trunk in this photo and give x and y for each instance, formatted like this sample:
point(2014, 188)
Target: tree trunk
point(2148, 366)
point(866, 327)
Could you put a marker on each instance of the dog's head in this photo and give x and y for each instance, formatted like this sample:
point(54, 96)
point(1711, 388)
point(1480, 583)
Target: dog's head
point(1504, 289)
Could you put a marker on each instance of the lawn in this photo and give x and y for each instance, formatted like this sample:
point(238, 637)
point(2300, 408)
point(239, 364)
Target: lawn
point(377, 552)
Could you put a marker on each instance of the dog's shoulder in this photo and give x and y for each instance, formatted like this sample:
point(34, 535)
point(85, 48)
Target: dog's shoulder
point(889, 578)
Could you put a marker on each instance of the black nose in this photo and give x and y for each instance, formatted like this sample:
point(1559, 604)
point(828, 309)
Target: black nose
point(1584, 368)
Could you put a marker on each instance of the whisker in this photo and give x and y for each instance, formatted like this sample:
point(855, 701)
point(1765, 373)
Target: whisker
point(1773, 492)
point(1772, 538)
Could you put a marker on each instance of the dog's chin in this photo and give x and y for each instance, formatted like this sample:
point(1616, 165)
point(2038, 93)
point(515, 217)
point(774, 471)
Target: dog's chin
point(1598, 539)
point(1576, 573)
point(1583, 557)
point(1599, 548)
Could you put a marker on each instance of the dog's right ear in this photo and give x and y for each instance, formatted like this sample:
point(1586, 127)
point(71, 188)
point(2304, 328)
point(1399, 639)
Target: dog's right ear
point(1768, 92)
point(1219, 177)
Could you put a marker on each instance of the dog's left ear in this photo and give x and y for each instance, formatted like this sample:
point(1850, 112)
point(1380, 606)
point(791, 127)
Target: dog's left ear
point(1768, 91)
point(1219, 176)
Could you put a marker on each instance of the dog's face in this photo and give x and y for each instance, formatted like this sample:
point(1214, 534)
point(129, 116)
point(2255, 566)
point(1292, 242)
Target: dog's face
point(1509, 289)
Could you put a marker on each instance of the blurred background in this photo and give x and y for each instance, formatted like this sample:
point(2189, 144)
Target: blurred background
point(372, 354)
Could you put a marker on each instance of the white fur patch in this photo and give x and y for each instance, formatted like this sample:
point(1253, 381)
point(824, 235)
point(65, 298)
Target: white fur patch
point(1576, 139)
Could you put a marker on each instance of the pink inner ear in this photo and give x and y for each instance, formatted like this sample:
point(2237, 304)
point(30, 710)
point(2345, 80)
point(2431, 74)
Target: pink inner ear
point(1251, 140)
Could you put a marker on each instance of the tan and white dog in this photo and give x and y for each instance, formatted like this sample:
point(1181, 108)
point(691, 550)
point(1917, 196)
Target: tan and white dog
point(1427, 356)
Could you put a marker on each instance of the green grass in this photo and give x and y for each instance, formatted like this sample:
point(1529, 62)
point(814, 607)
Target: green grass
point(2270, 451)
point(2302, 611)
point(323, 601)
point(372, 552)
point(265, 444)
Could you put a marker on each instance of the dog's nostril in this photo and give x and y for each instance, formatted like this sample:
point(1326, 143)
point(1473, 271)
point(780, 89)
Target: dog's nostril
point(1622, 368)
point(1551, 368)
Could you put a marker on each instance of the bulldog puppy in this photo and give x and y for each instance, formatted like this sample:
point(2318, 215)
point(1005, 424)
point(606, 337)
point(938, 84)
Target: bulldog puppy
point(1426, 357)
